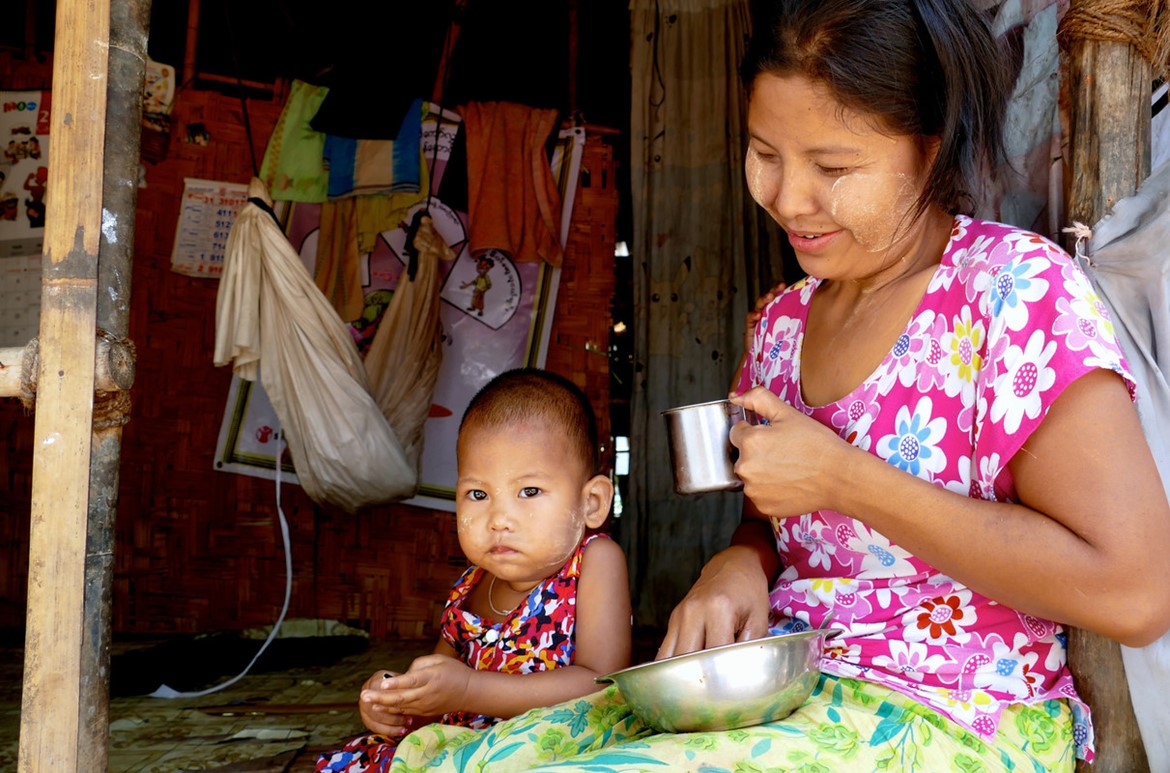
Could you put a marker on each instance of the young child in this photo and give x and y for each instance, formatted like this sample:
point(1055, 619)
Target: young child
point(545, 606)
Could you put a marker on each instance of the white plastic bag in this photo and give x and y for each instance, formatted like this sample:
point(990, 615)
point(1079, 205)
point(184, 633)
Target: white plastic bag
point(1130, 267)
point(404, 357)
point(274, 324)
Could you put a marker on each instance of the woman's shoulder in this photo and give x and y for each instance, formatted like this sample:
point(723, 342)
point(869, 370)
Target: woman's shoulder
point(989, 245)
point(967, 226)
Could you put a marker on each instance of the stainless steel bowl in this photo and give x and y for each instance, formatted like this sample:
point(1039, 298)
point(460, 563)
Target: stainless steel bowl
point(722, 688)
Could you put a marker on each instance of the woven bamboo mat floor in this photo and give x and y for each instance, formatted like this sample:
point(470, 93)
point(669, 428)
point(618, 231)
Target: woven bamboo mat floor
point(299, 699)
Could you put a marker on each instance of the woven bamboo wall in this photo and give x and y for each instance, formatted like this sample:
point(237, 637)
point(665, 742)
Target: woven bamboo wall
point(199, 550)
point(580, 340)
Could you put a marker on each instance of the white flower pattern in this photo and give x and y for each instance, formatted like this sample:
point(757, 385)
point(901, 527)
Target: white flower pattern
point(1026, 379)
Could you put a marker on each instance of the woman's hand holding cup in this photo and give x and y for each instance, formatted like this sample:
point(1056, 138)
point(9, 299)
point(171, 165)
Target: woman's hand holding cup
point(789, 463)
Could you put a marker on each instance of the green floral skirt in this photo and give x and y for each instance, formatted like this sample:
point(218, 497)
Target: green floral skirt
point(845, 725)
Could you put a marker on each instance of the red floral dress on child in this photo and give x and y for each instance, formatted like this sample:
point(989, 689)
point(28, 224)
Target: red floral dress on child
point(539, 635)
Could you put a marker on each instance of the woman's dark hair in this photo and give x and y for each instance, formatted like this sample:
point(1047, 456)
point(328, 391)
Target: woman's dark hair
point(529, 393)
point(927, 68)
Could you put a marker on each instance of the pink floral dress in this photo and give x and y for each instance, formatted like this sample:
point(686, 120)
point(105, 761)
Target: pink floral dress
point(1007, 322)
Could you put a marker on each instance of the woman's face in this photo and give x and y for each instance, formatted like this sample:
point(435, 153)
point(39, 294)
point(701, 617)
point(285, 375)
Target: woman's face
point(841, 189)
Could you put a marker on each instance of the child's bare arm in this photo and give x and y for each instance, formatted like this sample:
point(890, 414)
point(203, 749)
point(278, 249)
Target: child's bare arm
point(603, 610)
point(436, 684)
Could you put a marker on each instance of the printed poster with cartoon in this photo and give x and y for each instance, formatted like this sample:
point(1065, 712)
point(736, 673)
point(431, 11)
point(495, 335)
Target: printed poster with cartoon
point(24, 171)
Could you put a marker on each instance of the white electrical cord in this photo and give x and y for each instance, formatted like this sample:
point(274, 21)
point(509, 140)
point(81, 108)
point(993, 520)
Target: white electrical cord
point(168, 692)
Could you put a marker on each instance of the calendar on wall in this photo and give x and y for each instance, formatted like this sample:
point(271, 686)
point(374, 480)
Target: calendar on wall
point(24, 174)
point(206, 214)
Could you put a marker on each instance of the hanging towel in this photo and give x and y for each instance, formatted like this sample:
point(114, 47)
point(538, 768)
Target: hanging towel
point(513, 202)
point(273, 324)
point(293, 166)
point(377, 214)
point(349, 228)
point(359, 167)
point(1128, 265)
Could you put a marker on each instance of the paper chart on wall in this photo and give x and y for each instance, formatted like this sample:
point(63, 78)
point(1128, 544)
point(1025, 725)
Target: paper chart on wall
point(24, 175)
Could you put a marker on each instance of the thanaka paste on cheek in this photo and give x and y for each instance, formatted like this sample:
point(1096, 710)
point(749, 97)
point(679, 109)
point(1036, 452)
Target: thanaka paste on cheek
point(753, 171)
point(564, 541)
point(872, 207)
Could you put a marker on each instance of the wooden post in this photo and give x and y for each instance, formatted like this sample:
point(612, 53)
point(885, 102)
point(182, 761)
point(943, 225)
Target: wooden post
point(30, 29)
point(189, 58)
point(49, 718)
point(11, 370)
point(129, 22)
point(1110, 86)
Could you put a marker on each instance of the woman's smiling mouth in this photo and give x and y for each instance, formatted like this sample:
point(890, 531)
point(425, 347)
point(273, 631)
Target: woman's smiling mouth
point(811, 242)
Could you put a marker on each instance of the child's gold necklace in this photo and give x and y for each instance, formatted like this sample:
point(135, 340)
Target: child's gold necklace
point(492, 603)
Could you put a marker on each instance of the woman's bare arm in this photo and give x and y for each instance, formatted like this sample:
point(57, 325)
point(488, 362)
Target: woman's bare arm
point(1085, 547)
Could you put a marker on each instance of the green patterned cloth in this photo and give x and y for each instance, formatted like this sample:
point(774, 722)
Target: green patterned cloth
point(845, 725)
point(294, 167)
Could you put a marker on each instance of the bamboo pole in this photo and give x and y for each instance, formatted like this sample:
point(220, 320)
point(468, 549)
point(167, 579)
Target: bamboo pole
point(1110, 144)
point(11, 371)
point(129, 24)
point(49, 718)
point(113, 367)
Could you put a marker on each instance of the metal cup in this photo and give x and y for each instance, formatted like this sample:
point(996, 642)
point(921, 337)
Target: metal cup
point(700, 446)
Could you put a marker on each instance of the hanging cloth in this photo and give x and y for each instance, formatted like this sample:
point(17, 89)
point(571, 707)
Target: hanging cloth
point(338, 268)
point(514, 205)
point(273, 324)
point(405, 355)
point(1128, 265)
point(294, 165)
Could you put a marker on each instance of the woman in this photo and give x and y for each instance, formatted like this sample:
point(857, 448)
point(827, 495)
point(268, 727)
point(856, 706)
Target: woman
point(951, 467)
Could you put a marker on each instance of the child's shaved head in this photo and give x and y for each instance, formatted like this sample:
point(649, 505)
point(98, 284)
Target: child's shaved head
point(529, 393)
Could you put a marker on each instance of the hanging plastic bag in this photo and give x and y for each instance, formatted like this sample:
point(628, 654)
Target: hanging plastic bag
point(1129, 267)
point(275, 325)
point(405, 355)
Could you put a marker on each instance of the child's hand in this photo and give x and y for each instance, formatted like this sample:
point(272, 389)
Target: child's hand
point(749, 328)
point(376, 716)
point(434, 684)
point(753, 316)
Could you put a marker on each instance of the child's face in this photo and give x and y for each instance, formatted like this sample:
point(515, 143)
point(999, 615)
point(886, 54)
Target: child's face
point(522, 499)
